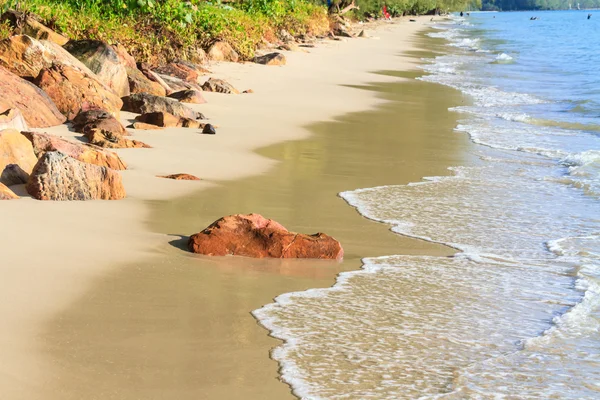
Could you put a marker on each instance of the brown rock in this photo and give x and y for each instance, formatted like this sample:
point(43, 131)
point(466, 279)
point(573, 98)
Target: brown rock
point(57, 176)
point(177, 84)
point(142, 103)
point(27, 57)
point(253, 235)
point(181, 177)
point(219, 86)
point(178, 70)
point(222, 51)
point(6, 193)
point(188, 96)
point(84, 152)
point(16, 149)
point(13, 175)
point(153, 76)
point(98, 119)
point(144, 126)
point(24, 24)
point(103, 60)
point(74, 90)
point(271, 59)
point(111, 140)
point(166, 120)
point(160, 118)
point(125, 58)
point(248, 91)
point(139, 83)
point(12, 119)
point(37, 108)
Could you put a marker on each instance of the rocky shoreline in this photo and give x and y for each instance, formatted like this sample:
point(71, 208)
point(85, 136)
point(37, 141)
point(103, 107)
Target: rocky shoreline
point(47, 80)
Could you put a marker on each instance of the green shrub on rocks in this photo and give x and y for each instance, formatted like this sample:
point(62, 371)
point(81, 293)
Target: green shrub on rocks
point(158, 31)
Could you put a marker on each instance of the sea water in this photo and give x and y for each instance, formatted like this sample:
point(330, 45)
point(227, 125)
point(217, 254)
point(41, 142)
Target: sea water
point(516, 312)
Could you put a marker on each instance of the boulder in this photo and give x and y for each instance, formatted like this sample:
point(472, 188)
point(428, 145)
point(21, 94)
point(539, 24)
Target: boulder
point(102, 59)
point(153, 76)
point(139, 83)
point(13, 175)
point(222, 51)
point(166, 120)
point(188, 96)
point(177, 84)
point(111, 140)
point(270, 59)
point(12, 119)
point(27, 57)
point(38, 110)
point(144, 126)
point(26, 24)
point(74, 90)
point(178, 70)
point(57, 176)
point(253, 235)
point(98, 119)
point(84, 152)
point(142, 103)
point(219, 86)
point(6, 193)
point(181, 177)
point(290, 47)
point(16, 149)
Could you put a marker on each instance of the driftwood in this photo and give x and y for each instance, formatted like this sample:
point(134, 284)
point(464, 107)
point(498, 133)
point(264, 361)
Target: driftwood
point(335, 7)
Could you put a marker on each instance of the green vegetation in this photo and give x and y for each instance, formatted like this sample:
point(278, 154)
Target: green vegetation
point(163, 30)
point(511, 5)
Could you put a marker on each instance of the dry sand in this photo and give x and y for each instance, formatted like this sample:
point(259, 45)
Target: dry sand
point(52, 252)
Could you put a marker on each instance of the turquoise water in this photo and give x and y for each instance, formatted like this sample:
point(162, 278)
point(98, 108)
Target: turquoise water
point(515, 314)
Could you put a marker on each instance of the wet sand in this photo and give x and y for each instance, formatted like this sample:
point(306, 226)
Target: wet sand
point(176, 325)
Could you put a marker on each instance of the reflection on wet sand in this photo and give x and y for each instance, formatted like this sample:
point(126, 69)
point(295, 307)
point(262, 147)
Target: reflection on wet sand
point(178, 326)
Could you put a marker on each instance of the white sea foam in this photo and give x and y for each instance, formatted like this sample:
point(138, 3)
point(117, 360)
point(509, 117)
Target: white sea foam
point(503, 57)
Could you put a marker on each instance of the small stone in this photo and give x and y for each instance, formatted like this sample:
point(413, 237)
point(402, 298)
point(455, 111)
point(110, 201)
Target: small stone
point(209, 130)
point(181, 177)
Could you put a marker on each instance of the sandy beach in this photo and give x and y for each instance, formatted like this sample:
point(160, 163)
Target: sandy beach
point(105, 304)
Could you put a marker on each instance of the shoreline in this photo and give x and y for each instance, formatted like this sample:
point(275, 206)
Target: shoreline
point(62, 279)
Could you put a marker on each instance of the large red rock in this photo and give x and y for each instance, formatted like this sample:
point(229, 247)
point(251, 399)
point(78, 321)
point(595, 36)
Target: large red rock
point(74, 90)
point(253, 235)
point(57, 176)
point(16, 149)
point(6, 193)
point(104, 61)
point(27, 57)
point(39, 111)
point(25, 24)
point(84, 152)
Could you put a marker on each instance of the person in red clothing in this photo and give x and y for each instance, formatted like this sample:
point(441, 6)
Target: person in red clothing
point(385, 13)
